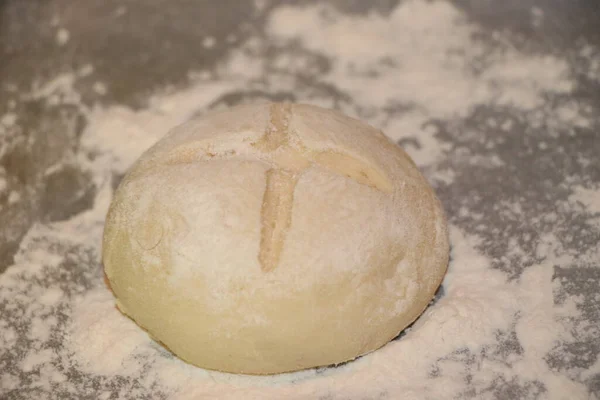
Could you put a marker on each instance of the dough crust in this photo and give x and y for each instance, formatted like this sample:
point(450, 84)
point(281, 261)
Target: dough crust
point(272, 238)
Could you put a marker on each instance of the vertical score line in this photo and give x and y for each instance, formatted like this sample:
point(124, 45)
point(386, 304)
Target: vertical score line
point(276, 211)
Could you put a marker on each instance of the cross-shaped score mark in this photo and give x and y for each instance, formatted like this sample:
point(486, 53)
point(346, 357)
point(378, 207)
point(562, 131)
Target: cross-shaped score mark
point(289, 159)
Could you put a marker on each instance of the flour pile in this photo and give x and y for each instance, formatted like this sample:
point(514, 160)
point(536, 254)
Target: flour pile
point(459, 102)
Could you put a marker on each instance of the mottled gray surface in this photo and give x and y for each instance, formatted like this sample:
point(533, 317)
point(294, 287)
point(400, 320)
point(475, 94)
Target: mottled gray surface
point(148, 48)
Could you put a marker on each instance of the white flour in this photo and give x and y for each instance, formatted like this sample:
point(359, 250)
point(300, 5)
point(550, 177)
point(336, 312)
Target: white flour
point(488, 331)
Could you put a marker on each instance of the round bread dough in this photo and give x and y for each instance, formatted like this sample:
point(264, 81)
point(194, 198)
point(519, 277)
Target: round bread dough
point(272, 238)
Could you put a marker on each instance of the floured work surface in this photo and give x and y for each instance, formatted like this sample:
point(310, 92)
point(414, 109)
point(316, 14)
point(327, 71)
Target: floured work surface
point(498, 106)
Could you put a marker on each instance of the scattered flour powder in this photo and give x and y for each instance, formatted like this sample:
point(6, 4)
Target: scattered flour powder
point(490, 335)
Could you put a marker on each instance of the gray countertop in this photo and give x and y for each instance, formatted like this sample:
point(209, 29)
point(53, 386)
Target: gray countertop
point(139, 48)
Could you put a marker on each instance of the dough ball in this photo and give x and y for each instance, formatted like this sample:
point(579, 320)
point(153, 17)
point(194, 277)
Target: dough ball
point(272, 238)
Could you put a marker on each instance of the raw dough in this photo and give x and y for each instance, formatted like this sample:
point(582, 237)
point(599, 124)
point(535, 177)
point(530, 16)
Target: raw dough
point(272, 238)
